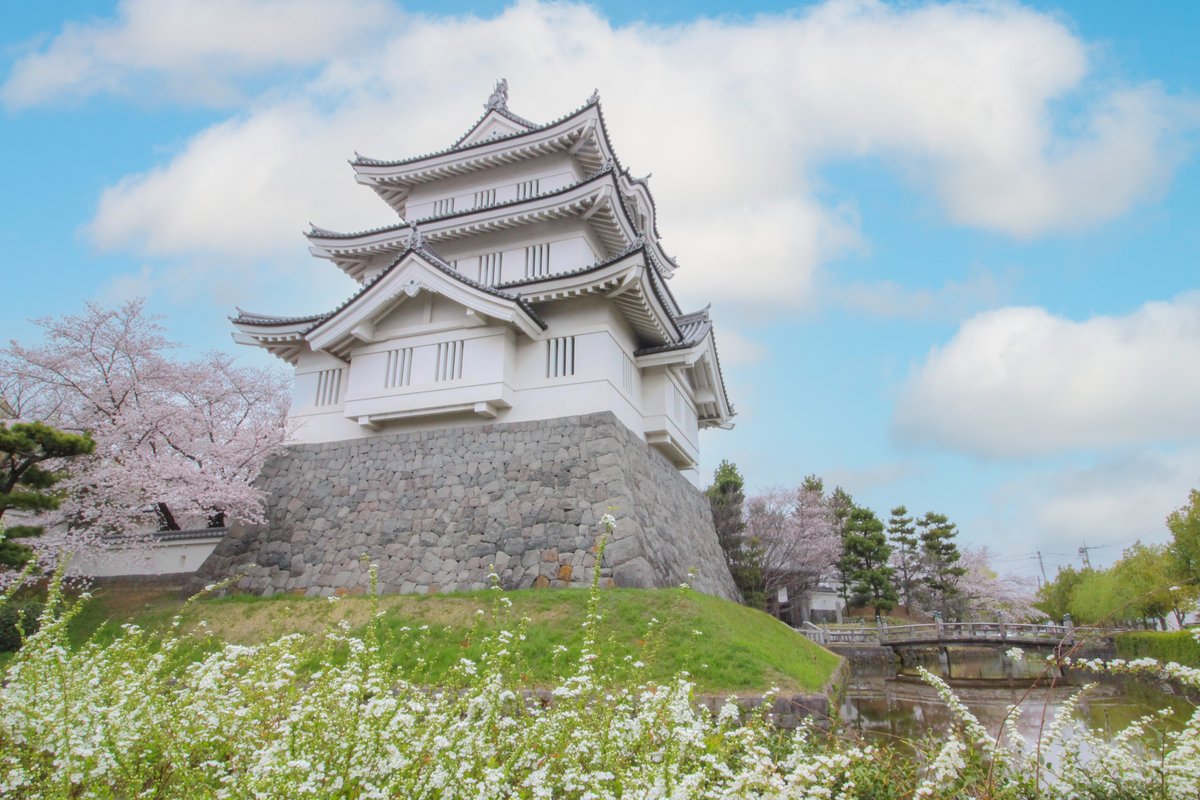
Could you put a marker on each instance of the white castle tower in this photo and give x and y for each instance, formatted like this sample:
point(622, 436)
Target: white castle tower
point(523, 281)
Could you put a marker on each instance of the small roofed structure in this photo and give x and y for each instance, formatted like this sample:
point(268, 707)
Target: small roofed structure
point(523, 280)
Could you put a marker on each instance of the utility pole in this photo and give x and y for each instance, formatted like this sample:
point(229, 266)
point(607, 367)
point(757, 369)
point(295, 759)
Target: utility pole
point(1083, 553)
point(1041, 564)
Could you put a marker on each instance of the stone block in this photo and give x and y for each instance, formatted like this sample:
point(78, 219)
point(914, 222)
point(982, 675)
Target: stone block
point(635, 573)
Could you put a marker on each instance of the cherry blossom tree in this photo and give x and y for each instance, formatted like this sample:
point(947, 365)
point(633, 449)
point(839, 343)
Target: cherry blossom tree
point(798, 536)
point(178, 443)
point(985, 594)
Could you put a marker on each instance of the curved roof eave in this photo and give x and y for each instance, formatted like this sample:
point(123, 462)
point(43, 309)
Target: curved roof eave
point(384, 238)
point(468, 150)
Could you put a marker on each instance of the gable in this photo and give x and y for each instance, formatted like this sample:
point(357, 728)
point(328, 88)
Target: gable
point(416, 273)
point(492, 126)
point(427, 308)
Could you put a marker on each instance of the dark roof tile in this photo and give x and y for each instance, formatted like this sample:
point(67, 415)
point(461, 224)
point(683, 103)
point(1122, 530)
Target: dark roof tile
point(361, 160)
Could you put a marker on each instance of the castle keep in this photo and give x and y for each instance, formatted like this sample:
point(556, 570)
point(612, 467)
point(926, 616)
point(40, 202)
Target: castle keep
point(512, 366)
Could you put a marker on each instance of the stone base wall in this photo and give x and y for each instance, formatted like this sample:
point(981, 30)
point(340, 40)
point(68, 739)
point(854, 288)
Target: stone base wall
point(437, 510)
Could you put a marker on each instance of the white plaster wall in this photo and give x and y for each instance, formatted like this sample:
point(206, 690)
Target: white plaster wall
point(667, 402)
point(825, 601)
point(573, 245)
point(308, 371)
point(481, 379)
point(564, 255)
point(501, 368)
point(552, 172)
point(163, 558)
point(497, 366)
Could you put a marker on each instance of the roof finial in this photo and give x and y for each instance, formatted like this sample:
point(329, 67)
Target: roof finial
point(595, 98)
point(499, 96)
point(415, 242)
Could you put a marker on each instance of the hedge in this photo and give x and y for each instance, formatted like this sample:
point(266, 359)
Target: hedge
point(1178, 646)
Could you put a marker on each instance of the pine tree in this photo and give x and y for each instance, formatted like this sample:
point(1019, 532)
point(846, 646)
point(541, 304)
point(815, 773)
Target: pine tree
point(941, 556)
point(903, 536)
point(743, 554)
point(841, 504)
point(26, 484)
point(865, 561)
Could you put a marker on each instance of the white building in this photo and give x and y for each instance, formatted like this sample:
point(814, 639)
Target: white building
point(523, 280)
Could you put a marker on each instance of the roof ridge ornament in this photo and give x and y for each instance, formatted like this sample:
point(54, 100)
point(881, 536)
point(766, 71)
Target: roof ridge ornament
point(499, 97)
point(594, 97)
point(415, 241)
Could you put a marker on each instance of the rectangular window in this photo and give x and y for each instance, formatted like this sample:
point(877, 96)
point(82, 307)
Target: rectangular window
point(486, 197)
point(398, 370)
point(537, 260)
point(449, 361)
point(445, 206)
point(329, 387)
point(527, 189)
point(490, 265)
point(560, 357)
point(627, 373)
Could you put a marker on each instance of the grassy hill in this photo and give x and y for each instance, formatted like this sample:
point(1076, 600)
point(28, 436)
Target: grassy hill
point(724, 646)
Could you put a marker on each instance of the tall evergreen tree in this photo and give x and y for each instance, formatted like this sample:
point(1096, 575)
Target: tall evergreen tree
point(26, 482)
point(940, 555)
point(841, 504)
point(814, 484)
point(727, 498)
point(865, 561)
point(905, 553)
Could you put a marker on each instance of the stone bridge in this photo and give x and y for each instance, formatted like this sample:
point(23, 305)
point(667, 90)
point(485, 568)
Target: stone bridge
point(938, 634)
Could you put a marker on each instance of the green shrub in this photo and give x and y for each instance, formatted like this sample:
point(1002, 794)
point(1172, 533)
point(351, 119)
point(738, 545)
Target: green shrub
point(1178, 646)
point(16, 616)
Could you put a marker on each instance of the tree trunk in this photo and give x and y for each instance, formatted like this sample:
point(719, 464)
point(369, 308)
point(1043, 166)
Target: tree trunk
point(166, 520)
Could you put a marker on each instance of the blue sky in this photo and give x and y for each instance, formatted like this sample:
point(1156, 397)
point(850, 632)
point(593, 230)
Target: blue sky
point(951, 248)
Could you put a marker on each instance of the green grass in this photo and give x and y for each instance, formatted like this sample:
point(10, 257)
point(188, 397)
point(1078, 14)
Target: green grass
point(724, 646)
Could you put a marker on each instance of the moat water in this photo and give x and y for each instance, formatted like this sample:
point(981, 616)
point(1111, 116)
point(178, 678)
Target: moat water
point(883, 702)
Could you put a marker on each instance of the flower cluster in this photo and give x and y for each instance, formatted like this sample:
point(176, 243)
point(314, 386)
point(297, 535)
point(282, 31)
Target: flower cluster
point(178, 715)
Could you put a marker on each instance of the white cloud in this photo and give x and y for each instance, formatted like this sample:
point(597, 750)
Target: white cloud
point(734, 118)
point(1022, 382)
point(1109, 504)
point(952, 301)
point(736, 349)
point(857, 480)
point(191, 50)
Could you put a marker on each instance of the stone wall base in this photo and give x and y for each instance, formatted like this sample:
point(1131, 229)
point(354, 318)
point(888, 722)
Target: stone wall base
point(436, 511)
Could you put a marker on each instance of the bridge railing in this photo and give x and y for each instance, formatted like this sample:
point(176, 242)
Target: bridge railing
point(837, 635)
point(932, 632)
point(974, 631)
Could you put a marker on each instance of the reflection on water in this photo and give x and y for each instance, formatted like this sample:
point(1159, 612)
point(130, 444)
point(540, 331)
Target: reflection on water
point(886, 703)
